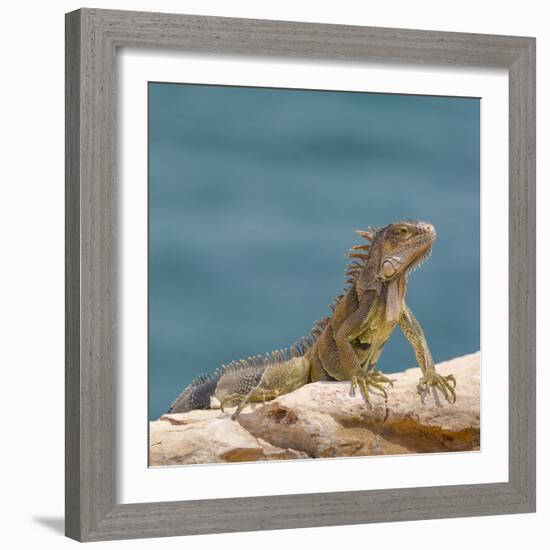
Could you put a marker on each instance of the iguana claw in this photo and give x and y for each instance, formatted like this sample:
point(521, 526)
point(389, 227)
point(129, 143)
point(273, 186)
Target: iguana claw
point(370, 378)
point(446, 384)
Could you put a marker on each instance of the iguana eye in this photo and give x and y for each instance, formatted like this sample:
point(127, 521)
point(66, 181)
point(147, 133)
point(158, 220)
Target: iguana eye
point(402, 230)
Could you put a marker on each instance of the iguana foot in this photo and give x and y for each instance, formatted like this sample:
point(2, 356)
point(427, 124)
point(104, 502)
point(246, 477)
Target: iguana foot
point(256, 394)
point(231, 401)
point(446, 384)
point(374, 379)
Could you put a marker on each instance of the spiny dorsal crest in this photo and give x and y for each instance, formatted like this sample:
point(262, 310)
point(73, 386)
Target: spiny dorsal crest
point(202, 378)
point(361, 251)
point(298, 349)
point(196, 383)
point(336, 301)
point(359, 255)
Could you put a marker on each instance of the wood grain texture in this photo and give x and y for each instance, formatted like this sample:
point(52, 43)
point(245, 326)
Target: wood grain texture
point(72, 276)
point(92, 37)
point(522, 274)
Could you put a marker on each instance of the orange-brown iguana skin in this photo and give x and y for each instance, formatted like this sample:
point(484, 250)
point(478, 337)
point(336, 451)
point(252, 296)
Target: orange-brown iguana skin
point(348, 344)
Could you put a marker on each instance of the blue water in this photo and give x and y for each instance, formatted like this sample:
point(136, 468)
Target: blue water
point(254, 196)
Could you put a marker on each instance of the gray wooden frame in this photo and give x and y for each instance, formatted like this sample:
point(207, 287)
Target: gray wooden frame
point(92, 38)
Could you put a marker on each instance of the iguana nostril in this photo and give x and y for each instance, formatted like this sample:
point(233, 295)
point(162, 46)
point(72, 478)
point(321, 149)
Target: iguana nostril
point(428, 228)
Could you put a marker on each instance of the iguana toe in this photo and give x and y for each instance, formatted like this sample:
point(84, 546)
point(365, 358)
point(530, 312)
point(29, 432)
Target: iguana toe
point(446, 384)
point(373, 379)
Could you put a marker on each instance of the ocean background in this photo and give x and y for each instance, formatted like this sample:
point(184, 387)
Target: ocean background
point(254, 196)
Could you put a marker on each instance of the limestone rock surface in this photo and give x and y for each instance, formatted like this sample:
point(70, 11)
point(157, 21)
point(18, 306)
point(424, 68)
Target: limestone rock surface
point(324, 420)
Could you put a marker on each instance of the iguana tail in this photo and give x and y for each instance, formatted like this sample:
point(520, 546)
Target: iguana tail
point(197, 394)
point(233, 381)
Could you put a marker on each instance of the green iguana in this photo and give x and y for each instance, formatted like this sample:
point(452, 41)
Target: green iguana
point(346, 345)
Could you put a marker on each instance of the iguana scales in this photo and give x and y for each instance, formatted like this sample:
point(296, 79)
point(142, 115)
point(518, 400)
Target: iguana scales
point(346, 345)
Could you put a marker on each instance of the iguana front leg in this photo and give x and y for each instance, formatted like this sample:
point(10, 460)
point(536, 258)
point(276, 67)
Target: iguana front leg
point(349, 367)
point(413, 332)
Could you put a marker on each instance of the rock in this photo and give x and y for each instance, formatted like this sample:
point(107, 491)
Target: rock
point(323, 420)
point(206, 436)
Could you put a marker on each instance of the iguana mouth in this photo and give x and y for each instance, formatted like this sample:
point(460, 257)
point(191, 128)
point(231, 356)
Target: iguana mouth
point(422, 244)
point(415, 264)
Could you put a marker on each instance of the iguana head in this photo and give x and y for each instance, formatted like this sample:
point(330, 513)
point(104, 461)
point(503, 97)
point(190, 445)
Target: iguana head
point(394, 250)
point(404, 246)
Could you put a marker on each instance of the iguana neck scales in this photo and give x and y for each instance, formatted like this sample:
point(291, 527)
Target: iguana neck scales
point(346, 345)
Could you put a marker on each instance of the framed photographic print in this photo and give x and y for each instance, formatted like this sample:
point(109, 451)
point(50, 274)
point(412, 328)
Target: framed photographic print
point(297, 254)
